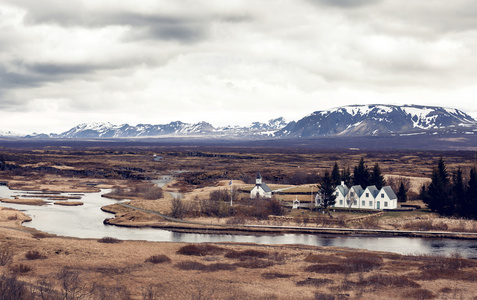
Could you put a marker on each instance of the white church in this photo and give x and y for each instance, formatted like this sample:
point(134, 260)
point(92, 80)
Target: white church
point(261, 189)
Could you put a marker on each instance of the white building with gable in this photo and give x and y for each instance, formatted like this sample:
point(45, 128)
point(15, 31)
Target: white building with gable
point(369, 198)
point(261, 189)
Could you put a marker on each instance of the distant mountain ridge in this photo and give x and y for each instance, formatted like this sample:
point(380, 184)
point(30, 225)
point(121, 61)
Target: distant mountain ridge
point(351, 120)
point(177, 128)
point(368, 120)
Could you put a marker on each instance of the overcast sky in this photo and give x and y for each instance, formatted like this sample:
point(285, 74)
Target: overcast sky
point(228, 62)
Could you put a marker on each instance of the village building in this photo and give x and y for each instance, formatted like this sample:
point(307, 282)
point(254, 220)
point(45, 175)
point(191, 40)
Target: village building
point(369, 198)
point(261, 189)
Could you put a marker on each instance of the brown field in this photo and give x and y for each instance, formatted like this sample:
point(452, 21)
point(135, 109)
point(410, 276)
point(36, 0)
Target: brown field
point(111, 269)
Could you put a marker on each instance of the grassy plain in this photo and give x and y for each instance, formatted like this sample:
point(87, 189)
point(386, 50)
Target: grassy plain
point(149, 270)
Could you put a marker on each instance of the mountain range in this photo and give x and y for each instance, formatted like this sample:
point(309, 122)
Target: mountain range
point(352, 120)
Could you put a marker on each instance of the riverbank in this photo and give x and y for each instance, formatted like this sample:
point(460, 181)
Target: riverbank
point(134, 217)
point(128, 269)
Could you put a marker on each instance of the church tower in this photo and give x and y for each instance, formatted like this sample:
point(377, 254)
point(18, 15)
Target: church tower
point(258, 179)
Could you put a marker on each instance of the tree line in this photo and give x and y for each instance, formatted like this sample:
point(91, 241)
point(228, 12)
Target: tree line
point(450, 194)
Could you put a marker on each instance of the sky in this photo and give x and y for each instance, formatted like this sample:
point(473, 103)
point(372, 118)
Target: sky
point(231, 62)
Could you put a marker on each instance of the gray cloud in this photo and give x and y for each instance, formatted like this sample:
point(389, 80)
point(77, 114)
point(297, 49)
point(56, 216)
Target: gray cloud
point(345, 3)
point(154, 61)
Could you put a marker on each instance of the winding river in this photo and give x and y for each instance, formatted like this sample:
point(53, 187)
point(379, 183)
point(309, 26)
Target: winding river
point(86, 221)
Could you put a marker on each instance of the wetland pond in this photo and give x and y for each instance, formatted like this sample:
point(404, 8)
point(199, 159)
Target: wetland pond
point(86, 221)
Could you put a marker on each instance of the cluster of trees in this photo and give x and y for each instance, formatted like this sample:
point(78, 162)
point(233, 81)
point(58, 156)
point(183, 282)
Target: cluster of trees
point(362, 175)
point(451, 194)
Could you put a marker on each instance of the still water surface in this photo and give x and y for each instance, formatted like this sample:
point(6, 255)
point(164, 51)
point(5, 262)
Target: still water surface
point(87, 222)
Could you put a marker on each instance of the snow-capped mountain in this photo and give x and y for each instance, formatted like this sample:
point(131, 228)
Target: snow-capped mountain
point(352, 120)
point(10, 134)
point(363, 120)
point(108, 130)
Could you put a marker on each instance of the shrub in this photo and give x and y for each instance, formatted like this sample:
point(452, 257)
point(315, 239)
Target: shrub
point(12, 288)
point(178, 208)
point(6, 256)
point(315, 258)
point(420, 294)
point(33, 254)
point(273, 275)
point(255, 264)
point(109, 240)
point(321, 296)
point(200, 250)
point(246, 254)
point(40, 235)
point(221, 267)
point(191, 265)
point(20, 269)
point(158, 259)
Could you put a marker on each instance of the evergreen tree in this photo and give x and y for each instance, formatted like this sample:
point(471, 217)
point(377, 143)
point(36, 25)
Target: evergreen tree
point(346, 176)
point(469, 207)
point(377, 178)
point(327, 191)
point(458, 192)
point(361, 174)
point(437, 193)
point(402, 193)
point(335, 175)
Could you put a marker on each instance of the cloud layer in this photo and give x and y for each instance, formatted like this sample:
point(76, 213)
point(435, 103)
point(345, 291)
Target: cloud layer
point(227, 62)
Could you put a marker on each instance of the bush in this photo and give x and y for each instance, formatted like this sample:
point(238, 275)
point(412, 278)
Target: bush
point(33, 254)
point(12, 288)
point(246, 254)
point(158, 259)
point(274, 275)
point(221, 267)
point(40, 235)
point(20, 269)
point(200, 250)
point(315, 258)
point(178, 208)
point(6, 255)
point(420, 294)
point(109, 240)
point(191, 265)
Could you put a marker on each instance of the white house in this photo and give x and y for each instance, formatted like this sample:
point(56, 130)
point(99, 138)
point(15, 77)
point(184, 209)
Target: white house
point(341, 191)
point(369, 198)
point(261, 189)
point(353, 196)
point(386, 199)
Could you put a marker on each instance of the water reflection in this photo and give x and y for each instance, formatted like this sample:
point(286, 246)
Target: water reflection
point(87, 222)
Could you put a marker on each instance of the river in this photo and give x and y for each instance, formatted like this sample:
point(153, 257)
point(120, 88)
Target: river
point(86, 221)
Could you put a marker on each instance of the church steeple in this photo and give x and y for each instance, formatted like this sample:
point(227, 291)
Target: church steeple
point(258, 179)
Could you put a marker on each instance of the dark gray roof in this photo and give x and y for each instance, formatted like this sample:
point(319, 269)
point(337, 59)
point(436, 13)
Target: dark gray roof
point(343, 189)
point(358, 189)
point(389, 191)
point(265, 187)
point(373, 190)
